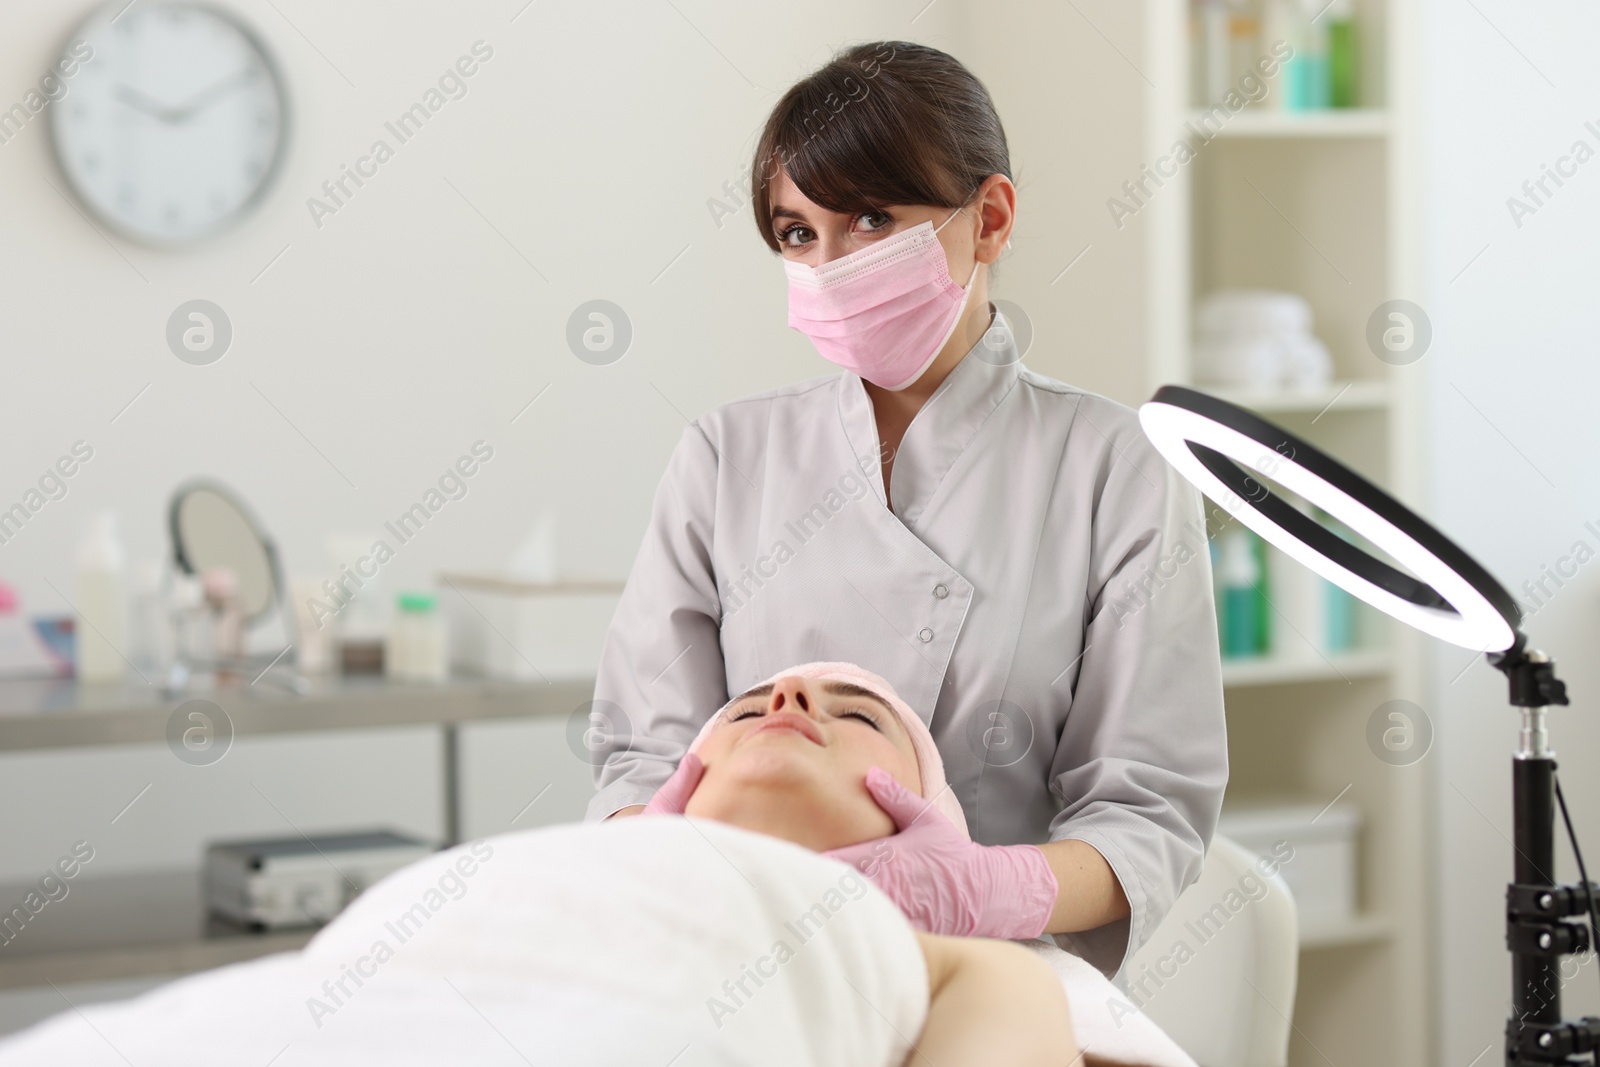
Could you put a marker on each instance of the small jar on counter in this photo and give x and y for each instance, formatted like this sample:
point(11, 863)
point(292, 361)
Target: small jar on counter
point(418, 650)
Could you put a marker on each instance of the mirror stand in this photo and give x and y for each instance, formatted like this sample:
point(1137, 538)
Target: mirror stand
point(212, 529)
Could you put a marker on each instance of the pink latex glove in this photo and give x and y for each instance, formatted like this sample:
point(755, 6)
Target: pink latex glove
point(945, 883)
point(675, 792)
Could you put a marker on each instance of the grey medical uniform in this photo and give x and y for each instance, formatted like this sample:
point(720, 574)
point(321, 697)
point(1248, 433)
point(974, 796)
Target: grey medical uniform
point(1040, 594)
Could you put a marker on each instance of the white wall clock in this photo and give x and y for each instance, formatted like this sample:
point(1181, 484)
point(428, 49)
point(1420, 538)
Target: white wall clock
point(175, 126)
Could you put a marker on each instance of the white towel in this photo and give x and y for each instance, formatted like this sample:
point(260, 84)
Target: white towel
point(738, 948)
point(501, 953)
point(1104, 1022)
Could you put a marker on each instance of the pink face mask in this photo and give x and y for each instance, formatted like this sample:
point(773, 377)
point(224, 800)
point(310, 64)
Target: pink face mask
point(884, 312)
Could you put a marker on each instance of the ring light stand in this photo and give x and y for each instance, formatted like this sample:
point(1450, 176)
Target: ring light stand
point(1451, 597)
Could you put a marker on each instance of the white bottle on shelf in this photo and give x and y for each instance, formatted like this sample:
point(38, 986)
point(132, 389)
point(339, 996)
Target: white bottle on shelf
point(418, 650)
point(150, 636)
point(1280, 22)
point(194, 635)
point(314, 644)
point(1211, 52)
point(1298, 625)
point(102, 604)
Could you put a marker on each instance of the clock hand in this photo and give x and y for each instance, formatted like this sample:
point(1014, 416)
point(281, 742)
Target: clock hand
point(207, 96)
point(140, 102)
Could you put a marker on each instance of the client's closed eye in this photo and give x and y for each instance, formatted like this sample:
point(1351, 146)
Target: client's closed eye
point(849, 713)
point(862, 714)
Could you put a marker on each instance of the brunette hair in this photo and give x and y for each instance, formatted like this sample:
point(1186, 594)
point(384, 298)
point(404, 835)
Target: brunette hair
point(882, 123)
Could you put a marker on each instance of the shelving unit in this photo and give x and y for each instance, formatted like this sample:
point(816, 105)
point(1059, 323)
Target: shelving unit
point(151, 924)
point(1337, 398)
point(1282, 670)
point(1347, 122)
point(1324, 204)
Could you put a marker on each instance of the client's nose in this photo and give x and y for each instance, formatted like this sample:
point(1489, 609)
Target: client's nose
point(792, 694)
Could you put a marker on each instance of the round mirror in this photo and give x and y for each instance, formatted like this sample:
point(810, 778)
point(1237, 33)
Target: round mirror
point(212, 528)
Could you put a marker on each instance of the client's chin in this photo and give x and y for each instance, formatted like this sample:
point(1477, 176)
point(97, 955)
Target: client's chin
point(790, 791)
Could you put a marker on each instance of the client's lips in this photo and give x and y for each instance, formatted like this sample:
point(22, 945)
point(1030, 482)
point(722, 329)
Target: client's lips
point(786, 720)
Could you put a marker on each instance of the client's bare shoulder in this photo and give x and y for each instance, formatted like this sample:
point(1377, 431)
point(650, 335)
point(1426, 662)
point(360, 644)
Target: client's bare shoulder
point(992, 1002)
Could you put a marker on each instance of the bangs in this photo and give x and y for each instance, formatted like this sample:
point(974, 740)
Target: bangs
point(856, 155)
point(878, 126)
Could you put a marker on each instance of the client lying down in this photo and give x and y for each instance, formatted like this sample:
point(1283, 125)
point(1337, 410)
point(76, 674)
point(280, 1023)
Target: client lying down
point(720, 938)
point(851, 726)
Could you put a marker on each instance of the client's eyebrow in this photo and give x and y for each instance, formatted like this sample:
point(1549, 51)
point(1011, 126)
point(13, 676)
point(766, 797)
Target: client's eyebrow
point(851, 689)
point(758, 691)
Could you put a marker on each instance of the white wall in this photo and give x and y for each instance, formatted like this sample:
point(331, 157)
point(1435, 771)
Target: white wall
point(408, 326)
point(1512, 381)
point(1066, 79)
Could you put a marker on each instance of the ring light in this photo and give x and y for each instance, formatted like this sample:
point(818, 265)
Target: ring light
point(1208, 439)
point(1230, 453)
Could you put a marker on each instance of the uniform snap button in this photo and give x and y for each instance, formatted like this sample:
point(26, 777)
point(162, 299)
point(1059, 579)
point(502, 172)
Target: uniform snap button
point(925, 634)
point(941, 590)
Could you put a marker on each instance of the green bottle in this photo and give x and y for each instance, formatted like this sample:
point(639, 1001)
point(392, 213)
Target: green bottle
point(1238, 578)
point(1341, 54)
point(1339, 614)
point(1258, 549)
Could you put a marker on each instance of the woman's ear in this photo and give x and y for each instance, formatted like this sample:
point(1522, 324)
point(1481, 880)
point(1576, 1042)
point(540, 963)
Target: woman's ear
point(996, 202)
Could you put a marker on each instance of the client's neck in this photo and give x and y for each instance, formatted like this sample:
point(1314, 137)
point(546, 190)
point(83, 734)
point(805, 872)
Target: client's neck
point(779, 812)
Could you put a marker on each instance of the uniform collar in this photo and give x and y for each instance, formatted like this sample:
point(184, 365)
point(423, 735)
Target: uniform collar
point(943, 428)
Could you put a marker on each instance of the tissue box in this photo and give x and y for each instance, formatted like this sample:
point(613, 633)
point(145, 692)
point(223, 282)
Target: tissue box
point(1322, 874)
point(511, 628)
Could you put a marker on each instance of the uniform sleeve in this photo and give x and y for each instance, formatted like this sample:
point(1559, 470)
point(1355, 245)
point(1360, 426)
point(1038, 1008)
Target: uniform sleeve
point(1143, 756)
point(661, 673)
